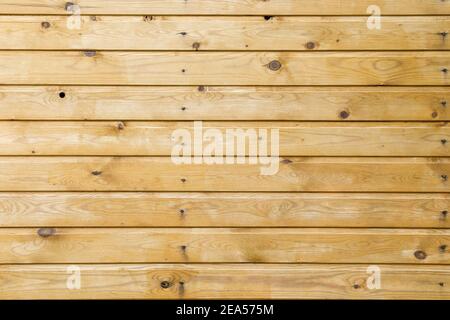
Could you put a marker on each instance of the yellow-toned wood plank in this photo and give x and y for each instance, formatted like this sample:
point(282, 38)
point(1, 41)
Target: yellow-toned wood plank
point(223, 33)
point(226, 7)
point(161, 174)
point(224, 281)
point(131, 209)
point(195, 245)
point(156, 138)
point(225, 68)
point(224, 103)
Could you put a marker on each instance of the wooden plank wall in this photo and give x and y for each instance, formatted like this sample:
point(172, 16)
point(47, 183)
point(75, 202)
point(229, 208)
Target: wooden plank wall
point(86, 179)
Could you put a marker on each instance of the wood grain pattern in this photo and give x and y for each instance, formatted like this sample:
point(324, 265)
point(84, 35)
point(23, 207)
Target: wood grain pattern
point(161, 174)
point(222, 33)
point(156, 138)
point(224, 103)
point(249, 281)
point(229, 68)
point(132, 209)
point(225, 7)
point(141, 245)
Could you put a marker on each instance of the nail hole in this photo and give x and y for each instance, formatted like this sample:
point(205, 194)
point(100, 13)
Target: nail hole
point(182, 211)
point(444, 141)
point(196, 45)
point(62, 94)
point(434, 114)
point(183, 108)
point(45, 25)
point(441, 284)
point(444, 103)
point(183, 180)
point(442, 248)
point(267, 18)
point(444, 177)
point(356, 286)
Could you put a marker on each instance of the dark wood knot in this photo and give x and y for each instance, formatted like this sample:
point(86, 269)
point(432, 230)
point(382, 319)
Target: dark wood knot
point(45, 25)
point(96, 173)
point(166, 284)
point(344, 114)
point(310, 45)
point(421, 255)
point(90, 54)
point(120, 125)
point(274, 65)
point(196, 45)
point(46, 232)
point(68, 6)
point(442, 248)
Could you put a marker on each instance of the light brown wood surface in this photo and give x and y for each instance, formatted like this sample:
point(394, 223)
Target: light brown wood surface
point(224, 281)
point(224, 68)
point(87, 115)
point(140, 209)
point(224, 7)
point(222, 33)
point(224, 103)
point(156, 138)
point(311, 174)
point(140, 245)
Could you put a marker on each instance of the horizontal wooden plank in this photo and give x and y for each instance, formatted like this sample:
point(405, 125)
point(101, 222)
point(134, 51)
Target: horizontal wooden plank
point(130, 209)
point(225, 281)
point(225, 7)
point(224, 68)
point(222, 33)
point(268, 245)
point(161, 174)
point(224, 103)
point(156, 138)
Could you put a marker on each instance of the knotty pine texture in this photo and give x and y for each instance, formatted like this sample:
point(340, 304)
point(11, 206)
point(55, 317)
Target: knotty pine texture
point(224, 103)
point(155, 138)
point(222, 245)
point(143, 209)
point(301, 174)
point(224, 68)
point(222, 33)
point(224, 281)
point(227, 7)
point(86, 117)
